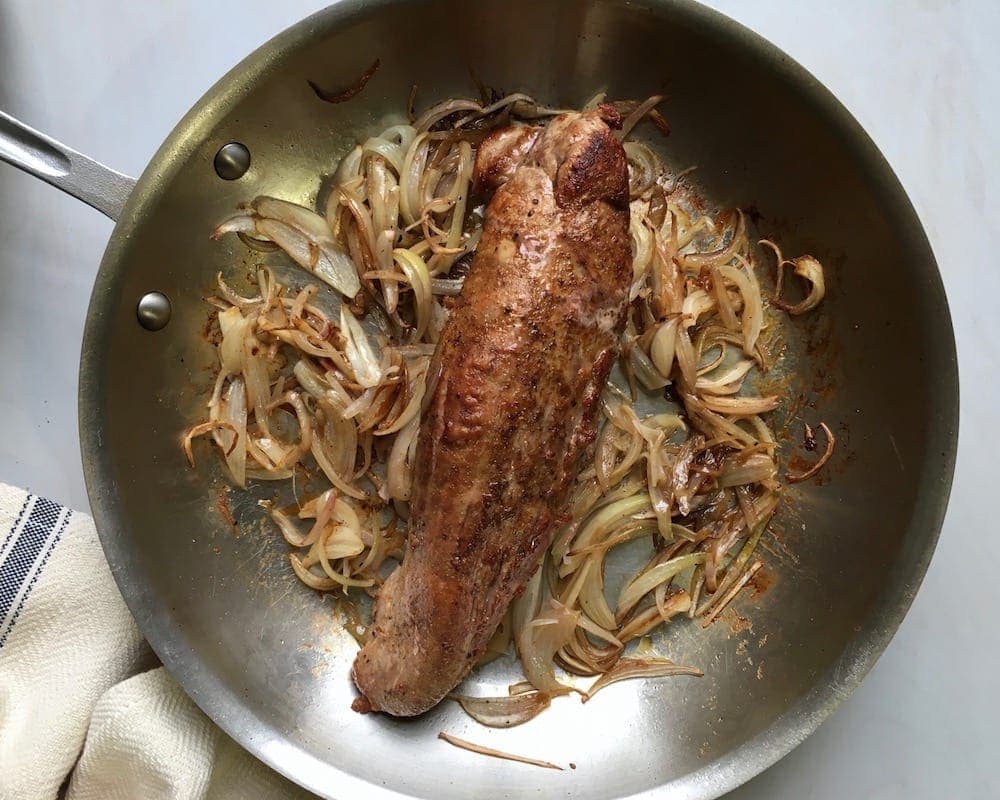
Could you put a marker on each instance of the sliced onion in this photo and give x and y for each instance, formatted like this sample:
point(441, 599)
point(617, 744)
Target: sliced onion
point(489, 751)
point(359, 351)
point(687, 360)
point(525, 107)
point(696, 304)
point(323, 583)
point(526, 607)
point(328, 263)
point(648, 580)
point(419, 278)
point(504, 711)
point(257, 378)
point(300, 217)
point(335, 451)
point(648, 375)
point(662, 347)
point(753, 307)
point(639, 623)
point(450, 287)
point(399, 471)
point(343, 542)
point(599, 526)
point(233, 326)
point(232, 296)
point(725, 254)
point(725, 378)
point(827, 452)
point(545, 634)
point(757, 468)
point(644, 167)
point(267, 452)
point(642, 247)
point(303, 235)
point(810, 270)
point(741, 406)
point(730, 594)
point(598, 632)
point(409, 179)
point(726, 311)
point(629, 668)
point(286, 525)
point(201, 430)
point(591, 597)
point(349, 167)
point(234, 412)
point(332, 395)
point(390, 151)
point(641, 110)
point(436, 113)
point(458, 198)
point(242, 224)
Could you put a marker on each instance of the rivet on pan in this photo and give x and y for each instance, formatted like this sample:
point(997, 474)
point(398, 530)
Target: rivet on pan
point(153, 311)
point(232, 161)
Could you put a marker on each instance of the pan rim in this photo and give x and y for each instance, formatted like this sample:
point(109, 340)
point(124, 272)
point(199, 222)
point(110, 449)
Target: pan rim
point(714, 779)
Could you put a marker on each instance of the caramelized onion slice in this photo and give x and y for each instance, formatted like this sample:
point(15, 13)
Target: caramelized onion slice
point(504, 711)
point(629, 668)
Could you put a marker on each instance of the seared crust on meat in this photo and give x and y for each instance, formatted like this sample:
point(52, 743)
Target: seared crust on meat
point(523, 359)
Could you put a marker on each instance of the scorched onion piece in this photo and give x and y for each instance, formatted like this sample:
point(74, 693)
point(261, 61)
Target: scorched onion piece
point(830, 444)
point(346, 94)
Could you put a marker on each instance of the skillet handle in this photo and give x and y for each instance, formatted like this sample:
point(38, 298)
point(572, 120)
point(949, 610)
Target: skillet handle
point(66, 169)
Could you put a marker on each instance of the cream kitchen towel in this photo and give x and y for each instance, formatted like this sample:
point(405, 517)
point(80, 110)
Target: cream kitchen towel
point(81, 700)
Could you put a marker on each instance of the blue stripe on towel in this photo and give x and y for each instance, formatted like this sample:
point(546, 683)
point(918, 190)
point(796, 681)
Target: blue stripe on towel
point(26, 557)
point(13, 528)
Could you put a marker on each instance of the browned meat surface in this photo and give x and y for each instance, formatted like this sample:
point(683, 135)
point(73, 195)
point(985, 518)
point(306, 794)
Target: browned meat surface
point(523, 359)
point(501, 153)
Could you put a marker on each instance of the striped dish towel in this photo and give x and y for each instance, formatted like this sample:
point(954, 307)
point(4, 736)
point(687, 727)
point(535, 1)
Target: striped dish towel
point(85, 711)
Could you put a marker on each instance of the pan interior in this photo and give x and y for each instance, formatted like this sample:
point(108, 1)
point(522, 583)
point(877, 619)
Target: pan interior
point(266, 657)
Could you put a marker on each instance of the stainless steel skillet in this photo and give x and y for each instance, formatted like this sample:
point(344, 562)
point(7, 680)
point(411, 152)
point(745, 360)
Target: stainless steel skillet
point(261, 655)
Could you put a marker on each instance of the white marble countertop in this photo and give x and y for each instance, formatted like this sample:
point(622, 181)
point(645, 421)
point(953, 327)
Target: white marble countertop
point(922, 76)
